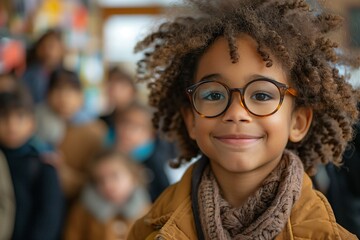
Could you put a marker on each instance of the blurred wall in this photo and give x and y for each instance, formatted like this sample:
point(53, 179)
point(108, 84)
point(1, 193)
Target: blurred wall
point(344, 8)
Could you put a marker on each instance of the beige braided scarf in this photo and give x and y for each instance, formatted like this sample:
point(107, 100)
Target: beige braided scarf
point(263, 215)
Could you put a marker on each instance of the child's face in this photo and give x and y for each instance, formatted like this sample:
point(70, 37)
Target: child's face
point(238, 141)
point(16, 128)
point(120, 93)
point(65, 101)
point(113, 180)
point(51, 51)
point(133, 130)
point(7, 83)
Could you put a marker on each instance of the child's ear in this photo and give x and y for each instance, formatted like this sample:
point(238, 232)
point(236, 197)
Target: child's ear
point(189, 119)
point(300, 123)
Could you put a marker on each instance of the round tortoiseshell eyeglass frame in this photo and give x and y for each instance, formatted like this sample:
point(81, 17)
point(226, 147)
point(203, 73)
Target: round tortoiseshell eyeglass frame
point(282, 88)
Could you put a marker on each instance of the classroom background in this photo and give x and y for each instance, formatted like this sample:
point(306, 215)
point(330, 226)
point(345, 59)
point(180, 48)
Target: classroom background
point(86, 47)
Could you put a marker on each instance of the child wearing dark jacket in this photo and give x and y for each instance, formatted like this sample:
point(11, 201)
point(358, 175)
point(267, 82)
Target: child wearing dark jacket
point(35, 186)
point(344, 189)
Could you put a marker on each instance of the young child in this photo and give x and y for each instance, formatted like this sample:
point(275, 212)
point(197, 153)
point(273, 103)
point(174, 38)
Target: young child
point(111, 202)
point(120, 91)
point(44, 56)
point(64, 100)
point(73, 143)
point(251, 86)
point(8, 82)
point(343, 192)
point(136, 137)
point(34, 192)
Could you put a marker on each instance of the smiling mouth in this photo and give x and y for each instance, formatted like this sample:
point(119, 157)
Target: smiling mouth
point(238, 139)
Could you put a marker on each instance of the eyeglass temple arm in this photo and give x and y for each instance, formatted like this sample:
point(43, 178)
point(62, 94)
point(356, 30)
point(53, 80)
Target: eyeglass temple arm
point(292, 91)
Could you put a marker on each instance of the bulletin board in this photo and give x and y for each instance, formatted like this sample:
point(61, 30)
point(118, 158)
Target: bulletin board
point(354, 27)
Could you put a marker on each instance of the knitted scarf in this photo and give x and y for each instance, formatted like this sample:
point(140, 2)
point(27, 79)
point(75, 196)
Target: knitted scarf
point(263, 215)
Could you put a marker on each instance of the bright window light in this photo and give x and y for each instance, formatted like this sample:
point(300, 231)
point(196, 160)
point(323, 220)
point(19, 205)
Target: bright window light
point(121, 33)
point(127, 3)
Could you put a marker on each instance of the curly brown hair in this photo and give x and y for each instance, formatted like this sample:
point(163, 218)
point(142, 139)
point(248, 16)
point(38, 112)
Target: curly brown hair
point(286, 29)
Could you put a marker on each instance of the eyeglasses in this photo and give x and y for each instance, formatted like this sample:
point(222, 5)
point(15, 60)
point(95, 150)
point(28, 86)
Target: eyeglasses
point(260, 97)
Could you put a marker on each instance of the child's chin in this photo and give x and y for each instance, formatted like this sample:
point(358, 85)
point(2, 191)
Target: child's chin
point(14, 143)
point(115, 200)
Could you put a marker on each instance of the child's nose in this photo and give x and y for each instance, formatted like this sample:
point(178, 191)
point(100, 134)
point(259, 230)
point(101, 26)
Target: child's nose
point(236, 111)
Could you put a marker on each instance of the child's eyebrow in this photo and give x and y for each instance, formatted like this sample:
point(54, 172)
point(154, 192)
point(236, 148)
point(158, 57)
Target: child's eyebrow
point(259, 76)
point(219, 77)
point(214, 76)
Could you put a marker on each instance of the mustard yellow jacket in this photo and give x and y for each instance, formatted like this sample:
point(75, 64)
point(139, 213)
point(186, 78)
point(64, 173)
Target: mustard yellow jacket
point(171, 216)
point(82, 225)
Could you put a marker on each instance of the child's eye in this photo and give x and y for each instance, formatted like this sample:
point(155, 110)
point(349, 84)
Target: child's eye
point(212, 96)
point(261, 96)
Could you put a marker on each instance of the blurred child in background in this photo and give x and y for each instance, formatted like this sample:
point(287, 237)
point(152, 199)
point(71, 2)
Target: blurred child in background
point(8, 82)
point(30, 183)
point(341, 185)
point(111, 201)
point(120, 92)
point(43, 57)
point(64, 99)
point(73, 144)
point(344, 189)
point(136, 136)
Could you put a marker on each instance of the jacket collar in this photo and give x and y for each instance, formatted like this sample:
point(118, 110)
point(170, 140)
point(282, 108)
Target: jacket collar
point(175, 218)
point(195, 182)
